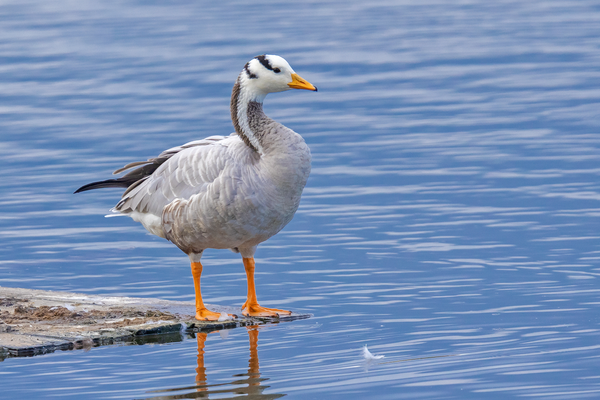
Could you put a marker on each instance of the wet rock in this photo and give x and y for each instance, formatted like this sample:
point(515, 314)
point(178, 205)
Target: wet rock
point(38, 321)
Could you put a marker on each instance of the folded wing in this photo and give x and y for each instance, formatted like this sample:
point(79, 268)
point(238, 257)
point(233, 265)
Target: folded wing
point(177, 173)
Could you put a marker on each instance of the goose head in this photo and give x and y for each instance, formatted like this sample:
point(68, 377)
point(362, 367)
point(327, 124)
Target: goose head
point(262, 75)
point(266, 74)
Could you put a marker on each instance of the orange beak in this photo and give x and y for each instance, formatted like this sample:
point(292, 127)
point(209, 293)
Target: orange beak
point(299, 83)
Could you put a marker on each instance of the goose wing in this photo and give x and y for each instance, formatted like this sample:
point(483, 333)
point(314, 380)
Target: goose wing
point(182, 172)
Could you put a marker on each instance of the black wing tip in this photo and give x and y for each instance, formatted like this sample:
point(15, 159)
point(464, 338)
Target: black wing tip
point(84, 188)
point(103, 184)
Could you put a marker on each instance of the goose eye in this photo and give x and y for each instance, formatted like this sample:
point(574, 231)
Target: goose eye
point(276, 70)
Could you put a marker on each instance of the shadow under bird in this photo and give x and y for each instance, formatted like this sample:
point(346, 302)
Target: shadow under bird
point(224, 192)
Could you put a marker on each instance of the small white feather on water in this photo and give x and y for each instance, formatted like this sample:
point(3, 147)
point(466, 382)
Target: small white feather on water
point(224, 317)
point(369, 356)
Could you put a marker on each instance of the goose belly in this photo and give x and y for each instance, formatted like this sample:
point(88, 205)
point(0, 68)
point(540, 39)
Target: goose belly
point(232, 213)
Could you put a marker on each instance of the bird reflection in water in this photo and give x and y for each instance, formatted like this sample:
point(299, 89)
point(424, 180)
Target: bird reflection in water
point(248, 384)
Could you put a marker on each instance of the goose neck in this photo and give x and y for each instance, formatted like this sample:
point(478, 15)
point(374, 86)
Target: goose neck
point(246, 115)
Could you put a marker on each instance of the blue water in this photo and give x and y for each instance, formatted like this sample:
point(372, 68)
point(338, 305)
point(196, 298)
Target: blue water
point(450, 221)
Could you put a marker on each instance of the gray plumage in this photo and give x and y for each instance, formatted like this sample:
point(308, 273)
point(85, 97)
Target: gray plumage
point(231, 191)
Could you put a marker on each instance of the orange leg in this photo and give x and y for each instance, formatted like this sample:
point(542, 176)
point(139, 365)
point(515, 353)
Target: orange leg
point(202, 313)
point(251, 307)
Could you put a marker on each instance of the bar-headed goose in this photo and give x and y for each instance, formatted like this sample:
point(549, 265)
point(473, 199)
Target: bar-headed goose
point(225, 192)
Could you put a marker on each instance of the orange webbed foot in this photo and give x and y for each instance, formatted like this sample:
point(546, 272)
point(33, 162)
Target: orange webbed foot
point(207, 315)
point(256, 310)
